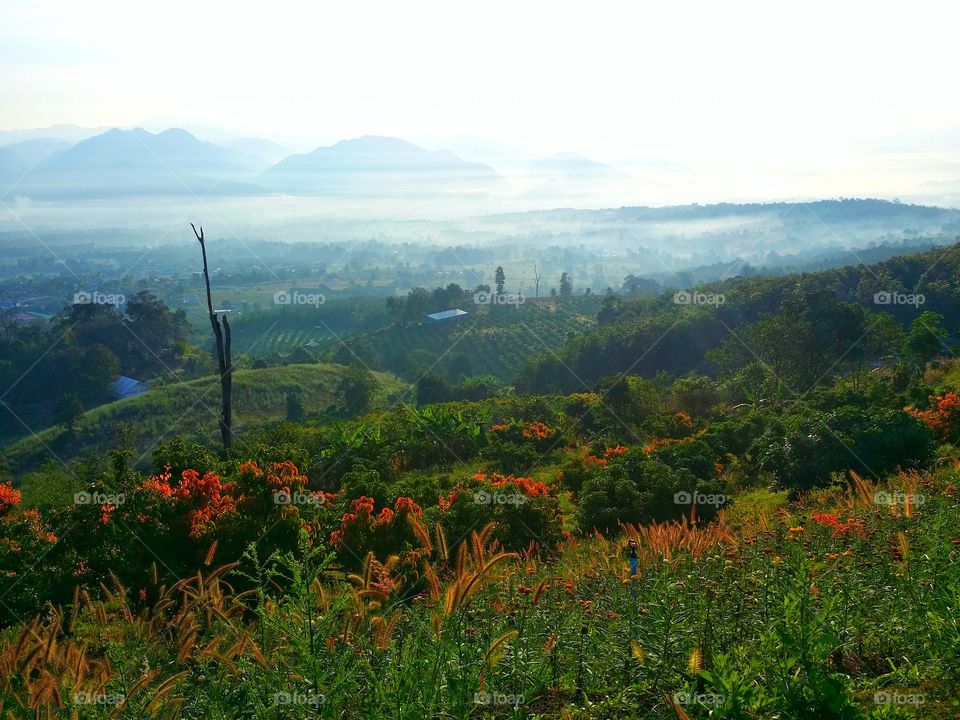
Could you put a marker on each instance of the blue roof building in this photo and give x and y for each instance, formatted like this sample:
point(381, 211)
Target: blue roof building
point(446, 315)
point(125, 387)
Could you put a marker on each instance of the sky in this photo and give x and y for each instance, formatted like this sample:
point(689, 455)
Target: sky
point(813, 97)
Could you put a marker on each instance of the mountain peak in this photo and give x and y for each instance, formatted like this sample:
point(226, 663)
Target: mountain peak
point(373, 164)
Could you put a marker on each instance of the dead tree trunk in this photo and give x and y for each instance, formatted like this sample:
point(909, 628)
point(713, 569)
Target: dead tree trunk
point(224, 361)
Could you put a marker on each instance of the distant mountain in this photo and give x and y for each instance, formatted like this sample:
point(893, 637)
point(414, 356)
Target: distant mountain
point(477, 149)
point(20, 157)
point(64, 133)
point(174, 150)
point(138, 162)
point(381, 166)
point(572, 175)
point(266, 150)
point(573, 164)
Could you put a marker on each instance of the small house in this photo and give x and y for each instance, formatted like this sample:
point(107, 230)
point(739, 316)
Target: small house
point(446, 315)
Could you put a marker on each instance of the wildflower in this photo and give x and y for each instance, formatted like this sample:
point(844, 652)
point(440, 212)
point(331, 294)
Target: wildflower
point(839, 527)
point(537, 430)
point(251, 468)
point(9, 497)
point(405, 505)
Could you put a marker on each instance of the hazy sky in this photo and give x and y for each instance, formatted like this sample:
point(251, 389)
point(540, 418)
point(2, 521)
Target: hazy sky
point(814, 94)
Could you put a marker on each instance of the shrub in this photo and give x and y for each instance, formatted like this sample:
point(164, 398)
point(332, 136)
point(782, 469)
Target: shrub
point(526, 511)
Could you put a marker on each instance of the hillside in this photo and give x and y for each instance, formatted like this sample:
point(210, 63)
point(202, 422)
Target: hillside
point(795, 555)
point(283, 330)
point(187, 408)
point(644, 337)
point(495, 343)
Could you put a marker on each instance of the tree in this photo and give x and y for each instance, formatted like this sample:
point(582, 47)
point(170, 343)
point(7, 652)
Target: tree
point(419, 302)
point(397, 307)
point(432, 389)
point(499, 279)
point(160, 331)
point(357, 387)
point(536, 280)
point(223, 341)
point(566, 285)
point(925, 338)
point(641, 286)
point(295, 409)
point(69, 411)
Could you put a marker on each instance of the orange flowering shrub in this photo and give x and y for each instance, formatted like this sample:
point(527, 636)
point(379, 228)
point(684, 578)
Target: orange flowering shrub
point(526, 511)
point(207, 498)
point(529, 486)
point(9, 497)
point(943, 417)
point(385, 533)
point(25, 539)
point(537, 430)
point(535, 433)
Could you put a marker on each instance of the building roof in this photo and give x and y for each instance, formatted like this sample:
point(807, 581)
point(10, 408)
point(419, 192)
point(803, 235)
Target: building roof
point(447, 314)
point(124, 387)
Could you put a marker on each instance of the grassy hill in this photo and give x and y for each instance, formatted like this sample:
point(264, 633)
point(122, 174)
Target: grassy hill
point(495, 343)
point(187, 408)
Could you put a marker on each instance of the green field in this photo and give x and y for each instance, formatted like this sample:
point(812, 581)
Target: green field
point(486, 342)
point(187, 408)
